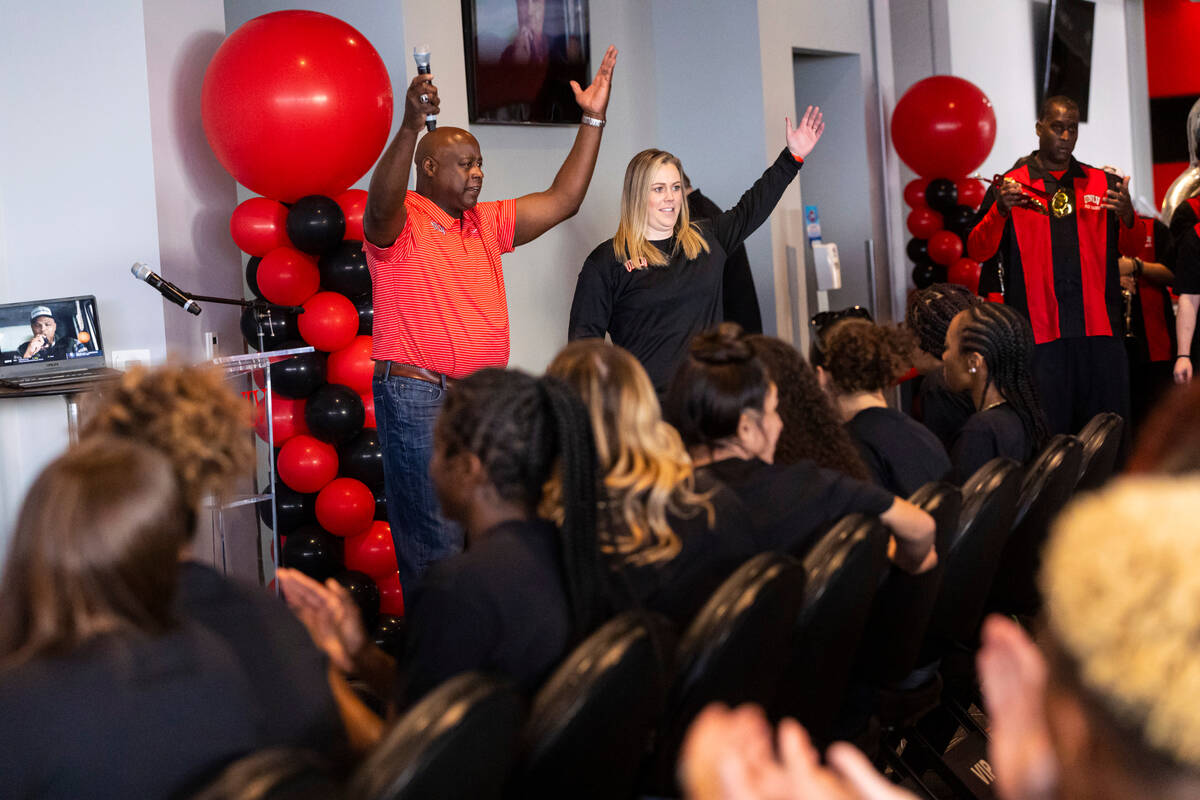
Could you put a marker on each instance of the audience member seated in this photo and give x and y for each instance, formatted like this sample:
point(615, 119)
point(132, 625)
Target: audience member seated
point(1104, 707)
point(941, 409)
point(725, 407)
point(192, 416)
point(1169, 440)
point(103, 694)
point(989, 355)
point(811, 427)
point(861, 361)
point(670, 536)
point(523, 591)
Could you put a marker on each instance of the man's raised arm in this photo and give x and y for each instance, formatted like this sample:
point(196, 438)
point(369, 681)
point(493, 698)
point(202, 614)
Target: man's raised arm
point(384, 216)
point(541, 211)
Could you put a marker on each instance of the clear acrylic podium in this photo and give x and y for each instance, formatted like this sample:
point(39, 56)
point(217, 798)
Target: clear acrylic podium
point(235, 515)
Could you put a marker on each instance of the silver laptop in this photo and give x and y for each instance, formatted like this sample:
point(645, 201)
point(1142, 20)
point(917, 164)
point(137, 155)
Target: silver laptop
point(51, 343)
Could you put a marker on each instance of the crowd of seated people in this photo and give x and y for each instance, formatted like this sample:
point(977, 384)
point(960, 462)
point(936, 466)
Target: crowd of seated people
point(580, 499)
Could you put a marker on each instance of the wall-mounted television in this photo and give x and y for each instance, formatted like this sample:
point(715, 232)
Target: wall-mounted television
point(1067, 68)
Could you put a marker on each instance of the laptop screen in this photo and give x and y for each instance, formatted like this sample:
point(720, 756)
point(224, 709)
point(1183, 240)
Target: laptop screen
point(49, 336)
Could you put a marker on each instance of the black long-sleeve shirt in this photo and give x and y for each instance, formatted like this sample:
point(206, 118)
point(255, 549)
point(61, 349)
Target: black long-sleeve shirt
point(741, 301)
point(654, 312)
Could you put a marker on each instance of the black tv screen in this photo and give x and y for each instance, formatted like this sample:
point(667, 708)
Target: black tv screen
point(1068, 66)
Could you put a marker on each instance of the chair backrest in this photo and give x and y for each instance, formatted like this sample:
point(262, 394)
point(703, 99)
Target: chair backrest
point(842, 571)
point(971, 557)
point(458, 742)
point(1101, 439)
point(900, 615)
point(591, 722)
point(733, 652)
point(280, 773)
point(1046, 489)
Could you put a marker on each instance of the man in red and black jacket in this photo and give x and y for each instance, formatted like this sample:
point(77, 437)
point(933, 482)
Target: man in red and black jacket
point(1059, 247)
point(1149, 317)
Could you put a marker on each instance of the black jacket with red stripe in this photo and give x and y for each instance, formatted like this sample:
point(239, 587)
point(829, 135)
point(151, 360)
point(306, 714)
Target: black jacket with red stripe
point(1061, 272)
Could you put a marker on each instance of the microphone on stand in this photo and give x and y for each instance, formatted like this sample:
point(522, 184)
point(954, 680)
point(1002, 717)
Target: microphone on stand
point(421, 56)
point(167, 289)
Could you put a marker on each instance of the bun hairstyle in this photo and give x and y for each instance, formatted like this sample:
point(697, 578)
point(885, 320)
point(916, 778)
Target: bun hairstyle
point(861, 356)
point(720, 378)
point(930, 311)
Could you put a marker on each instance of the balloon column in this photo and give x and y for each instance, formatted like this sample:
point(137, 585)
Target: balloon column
point(943, 128)
point(297, 106)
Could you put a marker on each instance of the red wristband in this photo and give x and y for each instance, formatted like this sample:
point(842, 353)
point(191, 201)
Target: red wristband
point(799, 159)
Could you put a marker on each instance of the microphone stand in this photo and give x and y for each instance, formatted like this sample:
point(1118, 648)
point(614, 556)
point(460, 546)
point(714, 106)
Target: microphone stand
point(262, 310)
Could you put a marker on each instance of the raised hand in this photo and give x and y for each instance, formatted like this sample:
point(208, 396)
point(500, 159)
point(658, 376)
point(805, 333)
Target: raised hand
point(1119, 202)
point(803, 138)
point(594, 99)
point(420, 99)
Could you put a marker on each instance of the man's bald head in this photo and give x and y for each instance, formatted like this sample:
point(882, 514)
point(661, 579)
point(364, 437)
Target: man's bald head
point(449, 169)
point(439, 139)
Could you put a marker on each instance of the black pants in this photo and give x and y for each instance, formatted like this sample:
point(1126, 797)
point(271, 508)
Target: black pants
point(1078, 378)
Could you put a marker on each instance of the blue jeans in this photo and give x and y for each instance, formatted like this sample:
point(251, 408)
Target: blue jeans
point(405, 411)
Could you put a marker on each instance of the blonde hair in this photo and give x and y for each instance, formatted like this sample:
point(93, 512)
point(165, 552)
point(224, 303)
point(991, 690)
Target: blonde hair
point(647, 470)
point(190, 414)
point(629, 242)
point(1122, 598)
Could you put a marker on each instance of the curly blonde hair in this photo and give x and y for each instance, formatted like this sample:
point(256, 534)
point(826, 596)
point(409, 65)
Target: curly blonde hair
point(188, 413)
point(1122, 601)
point(647, 471)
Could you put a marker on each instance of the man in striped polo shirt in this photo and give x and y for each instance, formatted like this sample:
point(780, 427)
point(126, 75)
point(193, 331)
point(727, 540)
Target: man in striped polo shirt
point(440, 308)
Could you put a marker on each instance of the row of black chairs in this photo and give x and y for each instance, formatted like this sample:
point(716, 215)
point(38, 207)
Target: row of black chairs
point(799, 636)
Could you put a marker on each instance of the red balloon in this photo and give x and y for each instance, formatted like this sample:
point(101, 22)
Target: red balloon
point(287, 418)
point(914, 192)
point(391, 595)
point(306, 463)
point(353, 203)
point(296, 103)
point(943, 125)
point(352, 365)
point(259, 225)
point(945, 247)
point(964, 272)
point(970, 192)
point(368, 398)
point(329, 321)
point(372, 552)
point(288, 277)
point(924, 222)
point(345, 507)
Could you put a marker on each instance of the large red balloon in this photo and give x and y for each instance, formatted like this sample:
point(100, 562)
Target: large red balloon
point(970, 192)
point(391, 595)
point(353, 203)
point(287, 418)
point(924, 222)
point(945, 247)
point(306, 463)
point(352, 365)
point(943, 125)
point(259, 225)
point(372, 552)
point(296, 103)
point(288, 277)
point(368, 398)
point(345, 507)
point(329, 321)
point(965, 272)
point(914, 192)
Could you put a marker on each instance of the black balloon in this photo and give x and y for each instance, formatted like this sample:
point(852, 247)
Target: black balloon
point(959, 220)
point(918, 251)
point(941, 195)
point(924, 276)
point(361, 458)
point(278, 328)
point(381, 506)
point(344, 269)
point(366, 314)
point(389, 635)
point(252, 276)
point(334, 413)
point(294, 509)
point(365, 593)
point(316, 224)
point(314, 552)
point(298, 376)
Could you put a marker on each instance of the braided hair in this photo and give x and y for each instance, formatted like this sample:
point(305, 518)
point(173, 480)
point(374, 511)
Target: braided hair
point(524, 430)
point(930, 311)
point(1003, 337)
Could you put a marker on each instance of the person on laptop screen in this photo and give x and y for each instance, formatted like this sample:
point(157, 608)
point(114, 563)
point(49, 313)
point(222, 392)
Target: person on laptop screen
point(44, 345)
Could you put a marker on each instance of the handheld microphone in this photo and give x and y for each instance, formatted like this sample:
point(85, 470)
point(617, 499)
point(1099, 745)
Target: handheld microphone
point(167, 289)
point(421, 56)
